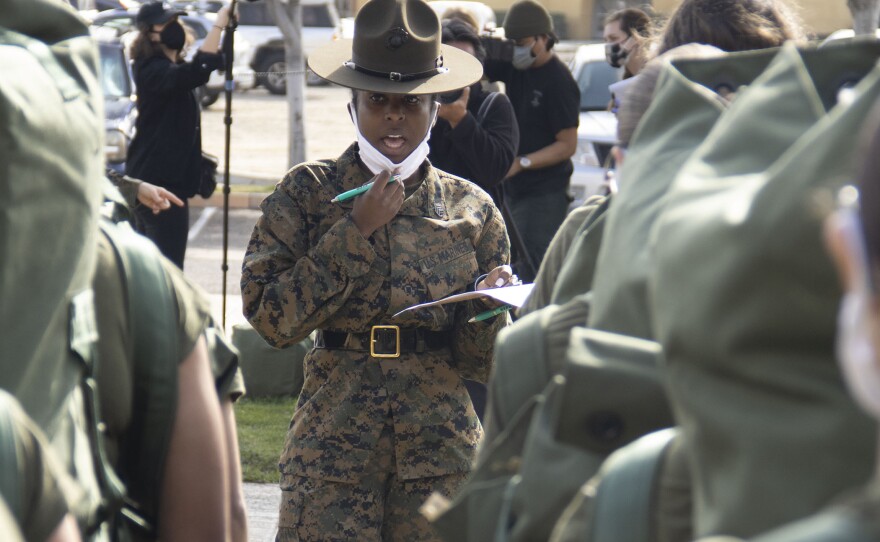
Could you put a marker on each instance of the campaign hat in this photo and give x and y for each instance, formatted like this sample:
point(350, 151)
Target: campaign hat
point(396, 49)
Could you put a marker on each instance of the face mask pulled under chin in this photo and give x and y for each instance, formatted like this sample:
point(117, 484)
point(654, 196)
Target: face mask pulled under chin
point(523, 57)
point(377, 162)
point(855, 348)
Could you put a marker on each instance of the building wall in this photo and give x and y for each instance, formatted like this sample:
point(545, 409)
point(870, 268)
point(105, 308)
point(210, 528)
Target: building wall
point(577, 14)
point(821, 17)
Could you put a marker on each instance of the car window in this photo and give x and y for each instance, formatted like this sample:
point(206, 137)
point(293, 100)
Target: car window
point(260, 14)
point(114, 72)
point(316, 16)
point(593, 81)
point(255, 14)
point(121, 24)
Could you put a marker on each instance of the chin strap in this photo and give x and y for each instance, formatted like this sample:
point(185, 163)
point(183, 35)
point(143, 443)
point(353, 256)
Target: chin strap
point(397, 76)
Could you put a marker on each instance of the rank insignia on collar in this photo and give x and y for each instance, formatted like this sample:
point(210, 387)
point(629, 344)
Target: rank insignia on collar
point(440, 209)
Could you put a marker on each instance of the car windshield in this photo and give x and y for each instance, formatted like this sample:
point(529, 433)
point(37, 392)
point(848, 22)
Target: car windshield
point(593, 81)
point(114, 72)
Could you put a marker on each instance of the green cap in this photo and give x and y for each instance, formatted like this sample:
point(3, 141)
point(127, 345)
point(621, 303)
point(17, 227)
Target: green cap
point(527, 18)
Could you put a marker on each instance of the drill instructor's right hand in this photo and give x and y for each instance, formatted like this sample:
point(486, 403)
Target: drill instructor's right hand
point(378, 205)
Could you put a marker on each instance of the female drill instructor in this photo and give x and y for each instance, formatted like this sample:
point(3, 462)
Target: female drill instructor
point(383, 419)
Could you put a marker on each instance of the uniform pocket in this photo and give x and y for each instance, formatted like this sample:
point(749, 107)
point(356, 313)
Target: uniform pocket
point(451, 270)
point(314, 509)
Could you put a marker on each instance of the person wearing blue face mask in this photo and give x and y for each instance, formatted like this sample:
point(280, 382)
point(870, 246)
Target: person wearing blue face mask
point(546, 101)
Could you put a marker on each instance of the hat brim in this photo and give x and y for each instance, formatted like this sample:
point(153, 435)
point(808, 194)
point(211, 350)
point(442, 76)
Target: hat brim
point(328, 63)
point(163, 18)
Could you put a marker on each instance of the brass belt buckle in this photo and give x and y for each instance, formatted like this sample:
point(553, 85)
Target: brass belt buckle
point(383, 331)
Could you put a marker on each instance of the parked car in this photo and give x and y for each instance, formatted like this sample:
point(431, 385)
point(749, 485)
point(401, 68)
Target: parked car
point(597, 130)
point(121, 22)
point(120, 111)
point(259, 43)
point(101, 5)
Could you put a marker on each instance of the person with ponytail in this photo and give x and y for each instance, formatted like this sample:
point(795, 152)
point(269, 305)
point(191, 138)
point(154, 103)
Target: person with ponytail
point(167, 147)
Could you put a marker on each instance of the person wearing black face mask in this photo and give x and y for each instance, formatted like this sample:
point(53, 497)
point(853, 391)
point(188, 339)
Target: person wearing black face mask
point(167, 147)
point(625, 33)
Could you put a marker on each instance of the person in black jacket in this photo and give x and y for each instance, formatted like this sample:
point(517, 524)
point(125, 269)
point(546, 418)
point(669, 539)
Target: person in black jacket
point(167, 147)
point(546, 100)
point(476, 134)
point(475, 137)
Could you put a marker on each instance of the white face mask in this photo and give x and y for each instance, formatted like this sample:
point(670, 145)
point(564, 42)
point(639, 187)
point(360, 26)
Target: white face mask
point(377, 162)
point(855, 349)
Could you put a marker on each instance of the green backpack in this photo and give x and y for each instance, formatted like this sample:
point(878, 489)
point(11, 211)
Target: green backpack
point(744, 297)
point(51, 143)
point(613, 391)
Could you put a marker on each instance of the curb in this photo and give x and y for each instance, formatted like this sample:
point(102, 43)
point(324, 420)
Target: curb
point(237, 200)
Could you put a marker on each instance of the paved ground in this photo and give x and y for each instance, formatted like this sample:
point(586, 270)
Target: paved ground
point(260, 130)
point(262, 501)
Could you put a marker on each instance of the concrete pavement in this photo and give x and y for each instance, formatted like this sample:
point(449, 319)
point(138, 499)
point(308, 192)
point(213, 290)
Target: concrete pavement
point(262, 502)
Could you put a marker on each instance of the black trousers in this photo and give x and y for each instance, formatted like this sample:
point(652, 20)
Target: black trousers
point(168, 230)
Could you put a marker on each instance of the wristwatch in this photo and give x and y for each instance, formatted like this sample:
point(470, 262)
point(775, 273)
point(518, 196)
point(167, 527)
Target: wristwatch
point(524, 162)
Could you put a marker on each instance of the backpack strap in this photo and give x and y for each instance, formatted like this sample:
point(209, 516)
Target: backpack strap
point(151, 305)
point(520, 367)
point(10, 477)
point(625, 499)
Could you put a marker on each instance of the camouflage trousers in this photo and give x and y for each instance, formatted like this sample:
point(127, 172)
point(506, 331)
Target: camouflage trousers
point(380, 506)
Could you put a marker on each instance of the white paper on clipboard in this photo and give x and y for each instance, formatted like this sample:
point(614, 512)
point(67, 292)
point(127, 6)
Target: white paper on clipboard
point(510, 295)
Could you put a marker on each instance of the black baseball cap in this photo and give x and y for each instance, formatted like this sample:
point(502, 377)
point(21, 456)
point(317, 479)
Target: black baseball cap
point(156, 13)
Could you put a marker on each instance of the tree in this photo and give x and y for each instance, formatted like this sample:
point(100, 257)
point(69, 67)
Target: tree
point(866, 15)
point(288, 15)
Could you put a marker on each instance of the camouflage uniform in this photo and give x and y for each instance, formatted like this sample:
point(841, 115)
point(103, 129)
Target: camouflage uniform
point(307, 267)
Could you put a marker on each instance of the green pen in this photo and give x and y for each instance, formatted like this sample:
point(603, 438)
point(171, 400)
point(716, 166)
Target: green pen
point(490, 314)
point(348, 194)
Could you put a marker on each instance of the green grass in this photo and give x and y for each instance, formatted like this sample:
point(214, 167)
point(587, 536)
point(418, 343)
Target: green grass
point(262, 426)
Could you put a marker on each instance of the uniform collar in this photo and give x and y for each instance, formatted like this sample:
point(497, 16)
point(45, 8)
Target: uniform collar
point(428, 200)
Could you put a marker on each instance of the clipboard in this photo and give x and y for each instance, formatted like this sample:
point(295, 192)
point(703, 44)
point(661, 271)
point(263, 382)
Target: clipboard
point(510, 295)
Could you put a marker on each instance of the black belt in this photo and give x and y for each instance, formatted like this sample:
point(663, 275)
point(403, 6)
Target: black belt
point(384, 341)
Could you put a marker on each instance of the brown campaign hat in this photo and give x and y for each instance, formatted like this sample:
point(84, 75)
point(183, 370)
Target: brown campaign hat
point(396, 49)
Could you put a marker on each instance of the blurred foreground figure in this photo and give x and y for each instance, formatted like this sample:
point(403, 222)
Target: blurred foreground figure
point(129, 396)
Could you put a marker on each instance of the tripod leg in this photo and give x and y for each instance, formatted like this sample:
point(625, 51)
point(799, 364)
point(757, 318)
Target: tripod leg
point(528, 267)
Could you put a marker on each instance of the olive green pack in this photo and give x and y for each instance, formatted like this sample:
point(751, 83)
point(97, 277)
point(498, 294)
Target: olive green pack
point(10, 475)
point(684, 109)
point(51, 158)
point(613, 391)
point(51, 167)
point(744, 298)
point(268, 371)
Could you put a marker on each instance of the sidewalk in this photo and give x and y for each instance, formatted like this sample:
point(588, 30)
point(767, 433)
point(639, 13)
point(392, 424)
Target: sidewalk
point(262, 511)
point(237, 200)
